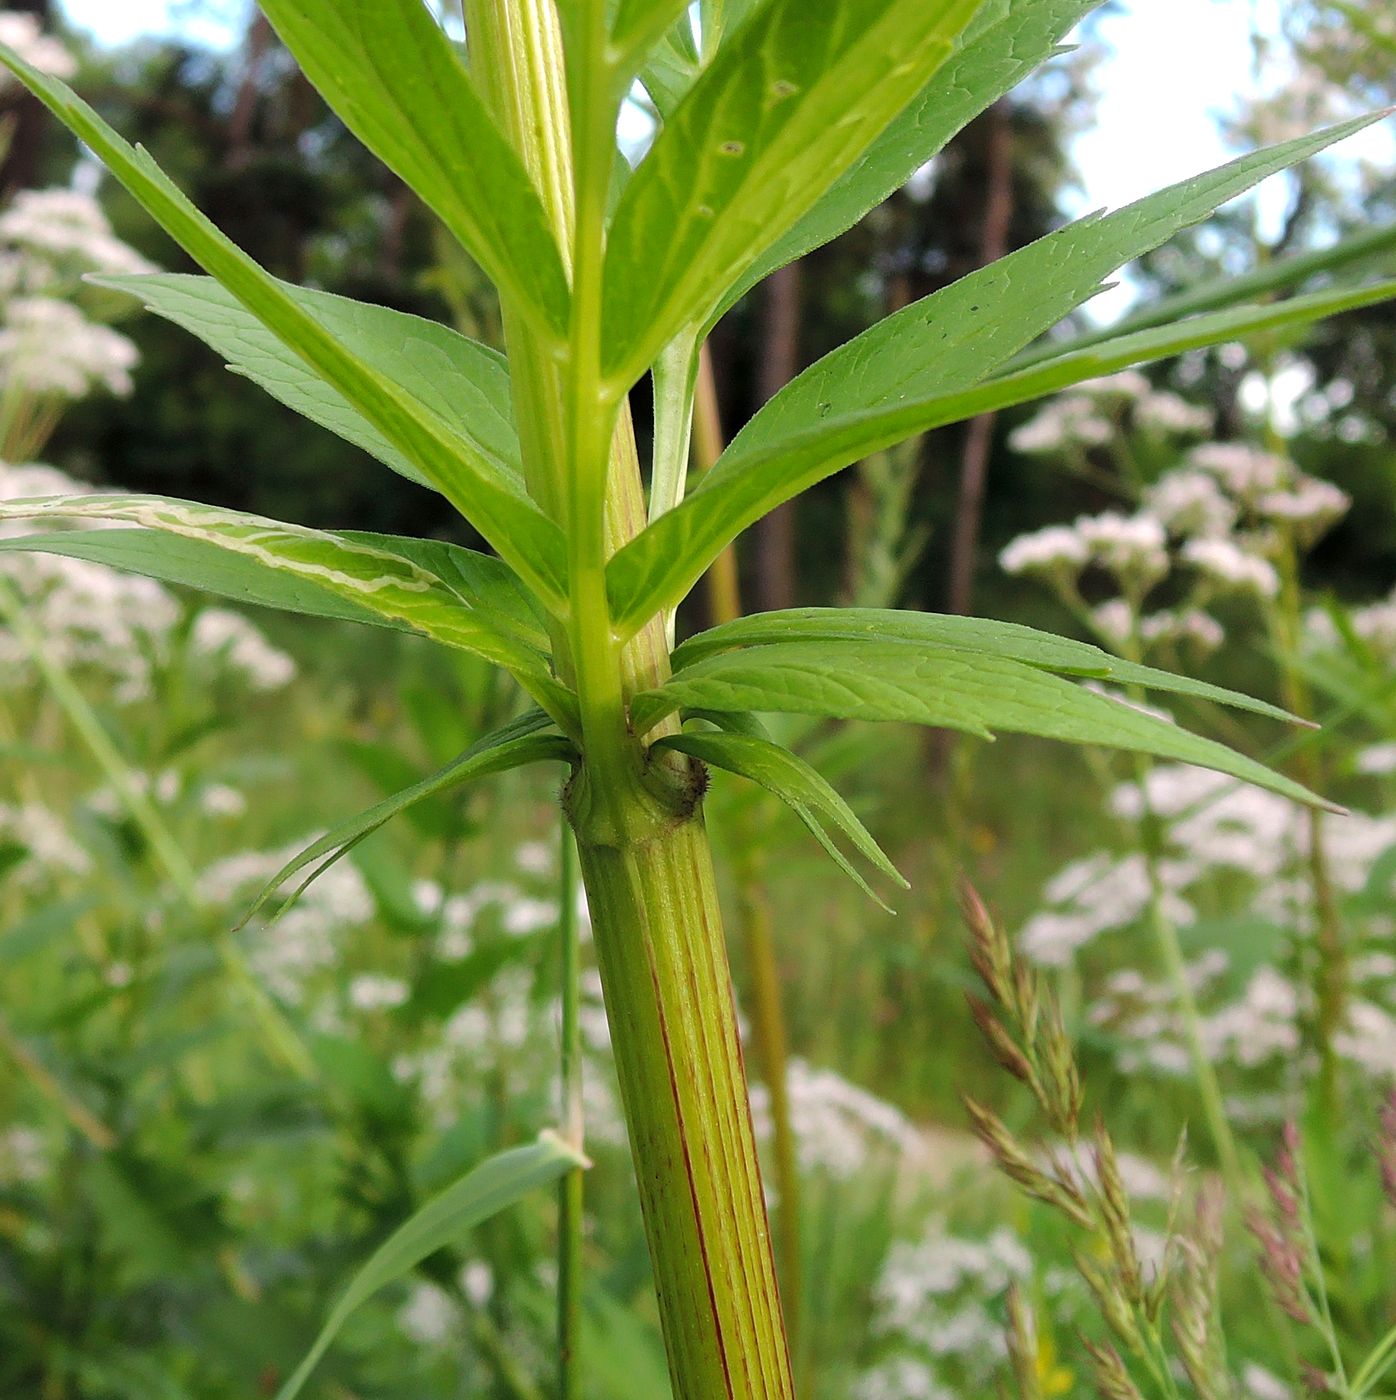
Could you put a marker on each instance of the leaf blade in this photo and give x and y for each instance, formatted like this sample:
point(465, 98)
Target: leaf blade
point(483, 1192)
point(464, 384)
point(799, 785)
point(663, 562)
point(975, 693)
point(1010, 640)
point(511, 746)
point(994, 55)
point(762, 134)
point(382, 581)
point(398, 83)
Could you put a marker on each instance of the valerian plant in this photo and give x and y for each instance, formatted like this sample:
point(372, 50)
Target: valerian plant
point(779, 124)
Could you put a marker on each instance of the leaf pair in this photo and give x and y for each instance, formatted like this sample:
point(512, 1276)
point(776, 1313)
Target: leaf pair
point(915, 370)
point(451, 595)
point(480, 1194)
point(955, 673)
point(513, 746)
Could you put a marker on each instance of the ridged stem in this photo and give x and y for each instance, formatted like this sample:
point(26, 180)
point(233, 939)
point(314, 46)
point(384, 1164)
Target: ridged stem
point(754, 912)
point(571, 1189)
point(643, 851)
point(673, 1024)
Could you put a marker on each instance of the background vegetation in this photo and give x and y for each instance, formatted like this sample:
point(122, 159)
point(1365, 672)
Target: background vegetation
point(202, 1132)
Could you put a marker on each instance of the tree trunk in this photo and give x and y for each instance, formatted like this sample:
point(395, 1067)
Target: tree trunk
point(776, 585)
point(979, 435)
point(244, 113)
point(20, 168)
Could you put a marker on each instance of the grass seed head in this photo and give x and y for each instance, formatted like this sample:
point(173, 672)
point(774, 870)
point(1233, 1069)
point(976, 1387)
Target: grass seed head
point(1022, 1346)
point(1386, 1147)
point(1112, 1380)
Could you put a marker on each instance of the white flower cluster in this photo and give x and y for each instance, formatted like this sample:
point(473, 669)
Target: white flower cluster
point(239, 648)
point(305, 940)
point(21, 32)
point(1132, 548)
point(48, 346)
point(1375, 624)
point(1096, 410)
point(938, 1313)
point(116, 623)
point(1071, 421)
point(1189, 503)
point(506, 1029)
point(24, 1155)
point(50, 850)
point(51, 239)
point(1220, 516)
point(1215, 829)
point(1225, 564)
point(839, 1128)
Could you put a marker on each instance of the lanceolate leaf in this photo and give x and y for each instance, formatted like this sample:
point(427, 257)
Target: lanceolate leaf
point(486, 584)
point(401, 87)
point(380, 581)
point(1007, 41)
point(531, 542)
point(641, 24)
point(513, 746)
point(763, 134)
point(480, 580)
point(465, 385)
point(798, 785)
point(940, 686)
point(1281, 275)
point(954, 338)
point(480, 1194)
point(1006, 639)
point(195, 563)
point(662, 563)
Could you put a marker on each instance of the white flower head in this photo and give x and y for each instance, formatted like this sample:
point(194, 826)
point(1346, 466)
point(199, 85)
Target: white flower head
point(1162, 414)
point(1073, 420)
point(1132, 547)
point(1191, 626)
point(227, 637)
point(1190, 503)
point(48, 346)
point(20, 31)
point(1244, 470)
point(1312, 506)
point(1055, 553)
point(1226, 563)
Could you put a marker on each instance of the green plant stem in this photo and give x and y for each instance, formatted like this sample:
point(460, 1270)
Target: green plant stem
point(673, 1024)
point(754, 917)
point(1333, 974)
point(570, 1191)
point(1376, 1365)
point(281, 1040)
point(77, 1113)
point(773, 1059)
point(1171, 953)
point(644, 854)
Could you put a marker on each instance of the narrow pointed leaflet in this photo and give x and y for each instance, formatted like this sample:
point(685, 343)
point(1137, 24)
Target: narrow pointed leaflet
point(521, 533)
point(464, 384)
point(893, 380)
point(784, 109)
point(377, 580)
point(401, 86)
point(977, 693)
